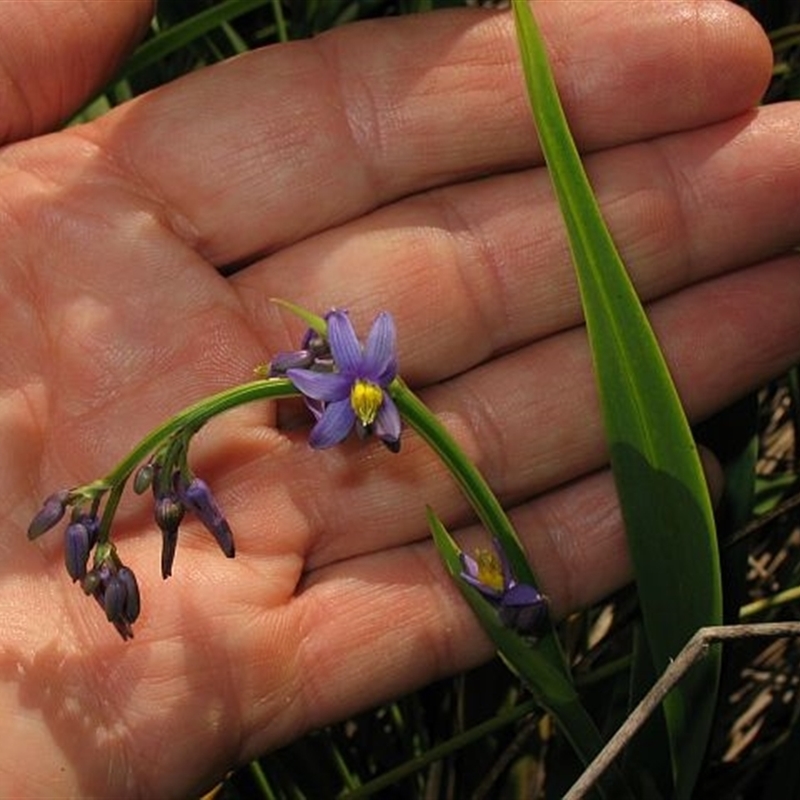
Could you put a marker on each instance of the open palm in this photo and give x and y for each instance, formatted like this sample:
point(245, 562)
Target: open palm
point(390, 165)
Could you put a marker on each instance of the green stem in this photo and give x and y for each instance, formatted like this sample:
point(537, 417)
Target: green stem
point(195, 416)
point(483, 500)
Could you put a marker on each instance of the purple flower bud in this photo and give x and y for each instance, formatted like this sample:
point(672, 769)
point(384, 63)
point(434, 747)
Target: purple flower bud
point(114, 587)
point(114, 598)
point(168, 513)
point(132, 604)
point(197, 497)
point(297, 359)
point(92, 525)
point(49, 514)
point(76, 550)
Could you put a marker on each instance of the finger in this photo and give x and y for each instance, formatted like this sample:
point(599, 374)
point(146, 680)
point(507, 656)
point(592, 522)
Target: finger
point(53, 55)
point(478, 269)
point(338, 125)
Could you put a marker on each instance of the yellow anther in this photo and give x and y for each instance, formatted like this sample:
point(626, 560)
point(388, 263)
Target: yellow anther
point(366, 399)
point(490, 571)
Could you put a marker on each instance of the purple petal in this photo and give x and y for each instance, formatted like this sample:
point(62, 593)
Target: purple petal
point(470, 574)
point(168, 514)
point(380, 352)
point(345, 346)
point(524, 609)
point(522, 594)
point(387, 423)
point(333, 426)
point(469, 566)
point(329, 387)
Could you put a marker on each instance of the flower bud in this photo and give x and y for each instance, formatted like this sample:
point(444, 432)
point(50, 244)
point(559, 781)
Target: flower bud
point(49, 514)
point(114, 598)
point(132, 604)
point(168, 513)
point(76, 550)
point(197, 497)
point(285, 361)
point(143, 479)
point(114, 587)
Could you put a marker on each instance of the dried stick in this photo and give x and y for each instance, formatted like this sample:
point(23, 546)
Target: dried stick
point(694, 650)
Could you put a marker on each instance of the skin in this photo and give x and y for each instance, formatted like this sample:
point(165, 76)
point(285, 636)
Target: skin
point(339, 172)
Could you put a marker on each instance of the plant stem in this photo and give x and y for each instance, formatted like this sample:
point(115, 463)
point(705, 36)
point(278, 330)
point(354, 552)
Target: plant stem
point(417, 415)
point(195, 416)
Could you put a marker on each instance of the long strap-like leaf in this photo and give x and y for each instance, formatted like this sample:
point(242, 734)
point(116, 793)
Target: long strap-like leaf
point(659, 478)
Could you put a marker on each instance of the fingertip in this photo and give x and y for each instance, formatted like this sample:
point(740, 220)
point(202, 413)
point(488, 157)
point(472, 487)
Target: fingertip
point(53, 59)
point(741, 48)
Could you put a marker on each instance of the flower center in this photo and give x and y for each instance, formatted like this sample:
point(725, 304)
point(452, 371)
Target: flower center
point(490, 571)
point(366, 399)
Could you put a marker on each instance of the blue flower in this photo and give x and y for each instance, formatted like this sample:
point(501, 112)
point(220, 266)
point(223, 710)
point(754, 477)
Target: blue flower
point(354, 394)
point(520, 606)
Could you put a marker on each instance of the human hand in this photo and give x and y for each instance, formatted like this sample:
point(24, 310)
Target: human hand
point(389, 165)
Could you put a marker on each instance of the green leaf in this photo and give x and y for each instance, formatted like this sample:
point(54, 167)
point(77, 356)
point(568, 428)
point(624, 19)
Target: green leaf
point(314, 321)
point(663, 494)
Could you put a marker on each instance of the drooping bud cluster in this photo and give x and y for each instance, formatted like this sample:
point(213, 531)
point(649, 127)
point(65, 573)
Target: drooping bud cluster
point(114, 587)
point(109, 581)
point(176, 491)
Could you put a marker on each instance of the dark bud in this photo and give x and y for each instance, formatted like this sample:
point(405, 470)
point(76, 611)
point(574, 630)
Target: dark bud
point(92, 582)
point(168, 513)
point(524, 609)
point(76, 550)
point(286, 361)
point(49, 514)
point(132, 604)
point(392, 445)
point(197, 497)
point(114, 587)
point(114, 599)
point(92, 525)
